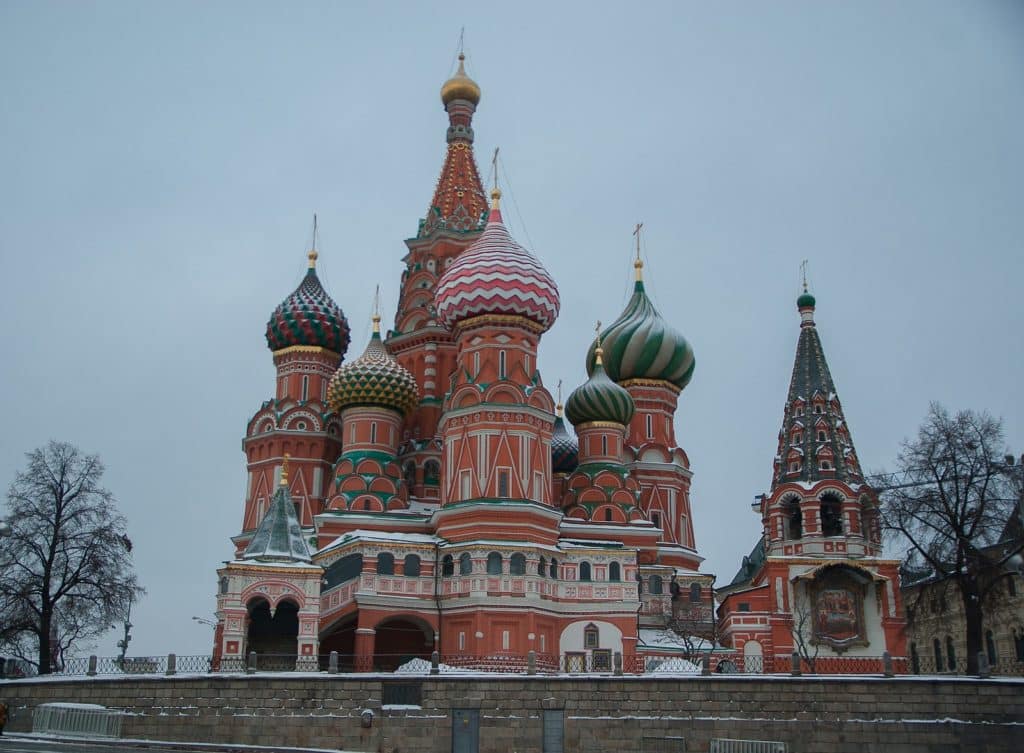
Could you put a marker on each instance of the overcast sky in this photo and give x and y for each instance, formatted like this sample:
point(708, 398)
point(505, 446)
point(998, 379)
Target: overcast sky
point(160, 164)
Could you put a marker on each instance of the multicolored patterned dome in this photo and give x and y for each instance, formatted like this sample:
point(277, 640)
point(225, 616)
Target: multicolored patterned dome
point(309, 317)
point(496, 276)
point(599, 399)
point(642, 345)
point(375, 378)
point(565, 449)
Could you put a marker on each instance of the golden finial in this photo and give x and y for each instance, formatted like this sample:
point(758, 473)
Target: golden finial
point(313, 255)
point(598, 351)
point(284, 470)
point(638, 265)
point(558, 408)
point(495, 192)
point(376, 311)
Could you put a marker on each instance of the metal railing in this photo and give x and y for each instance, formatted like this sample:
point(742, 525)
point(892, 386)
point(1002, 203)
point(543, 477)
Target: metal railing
point(81, 719)
point(570, 663)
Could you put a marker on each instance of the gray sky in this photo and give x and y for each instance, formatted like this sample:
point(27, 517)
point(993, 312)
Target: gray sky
point(160, 165)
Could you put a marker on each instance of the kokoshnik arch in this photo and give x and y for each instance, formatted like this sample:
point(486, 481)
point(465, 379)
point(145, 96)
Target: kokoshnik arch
point(427, 495)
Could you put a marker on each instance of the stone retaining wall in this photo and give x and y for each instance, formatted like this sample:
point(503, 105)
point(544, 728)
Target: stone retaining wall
point(601, 715)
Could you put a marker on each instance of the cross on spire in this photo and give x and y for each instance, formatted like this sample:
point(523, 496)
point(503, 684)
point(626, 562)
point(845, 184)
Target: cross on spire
point(803, 273)
point(313, 255)
point(495, 192)
point(638, 265)
point(376, 309)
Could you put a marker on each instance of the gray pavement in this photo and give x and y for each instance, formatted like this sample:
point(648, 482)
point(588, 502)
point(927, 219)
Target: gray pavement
point(11, 743)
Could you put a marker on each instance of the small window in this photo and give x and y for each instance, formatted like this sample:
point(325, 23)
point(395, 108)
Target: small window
point(794, 467)
point(366, 504)
point(448, 565)
point(517, 564)
point(584, 571)
point(554, 568)
point(656, 519)
point(743, 606)
point(373, 432)
point(224, 584)
point(607, 515)
point(411, 566)
point(305, 388)
point(798, 437)
point(604, 444)
point(462, 641)
point(504, 640)
point(503, 483)
point(695, 593)
point(615, 572)
point(591, 636)
point(822, 437)
point(465, 564)
point(937, 648)
point(466, 484)
point(819, 409)
point(826, 465)
point(542, 567)
point(385, 564)
point(650, 427)
point(501, 364)
point(476, 364)
point(655, 584)
point(494, 563)
point(990, 647)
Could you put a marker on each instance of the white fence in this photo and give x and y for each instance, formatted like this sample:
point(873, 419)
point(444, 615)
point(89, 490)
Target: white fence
point(77, 719)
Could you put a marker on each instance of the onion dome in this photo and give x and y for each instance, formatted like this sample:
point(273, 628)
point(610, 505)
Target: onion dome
point(309, 317)
point(565, 450)
point(375, 378)
point(805, 301)
point(642, 345)
point(460, 86)
point(599, 398)
point(496, 275)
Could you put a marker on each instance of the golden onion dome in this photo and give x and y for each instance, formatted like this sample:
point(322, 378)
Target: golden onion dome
point(460, 86)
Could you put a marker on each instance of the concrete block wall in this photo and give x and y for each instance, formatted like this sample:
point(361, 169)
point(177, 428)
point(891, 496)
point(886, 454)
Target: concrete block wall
point(601, 715)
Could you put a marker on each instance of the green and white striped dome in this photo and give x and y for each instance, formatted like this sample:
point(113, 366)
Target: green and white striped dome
point(642, 345)
point(599, 399)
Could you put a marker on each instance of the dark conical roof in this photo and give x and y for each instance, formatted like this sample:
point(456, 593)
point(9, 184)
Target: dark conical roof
point(565, 451)
point(813, 426)
point(279, 537)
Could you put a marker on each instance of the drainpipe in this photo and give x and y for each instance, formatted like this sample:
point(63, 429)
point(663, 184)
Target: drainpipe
point(437, 591)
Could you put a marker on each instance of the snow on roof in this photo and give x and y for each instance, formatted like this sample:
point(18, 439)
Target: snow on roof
point(275, 564)
point(387, 537)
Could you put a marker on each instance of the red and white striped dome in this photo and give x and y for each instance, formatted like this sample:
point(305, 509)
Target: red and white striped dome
point(496, 276)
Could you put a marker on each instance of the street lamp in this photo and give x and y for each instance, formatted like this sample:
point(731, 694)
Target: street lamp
point(205, 621)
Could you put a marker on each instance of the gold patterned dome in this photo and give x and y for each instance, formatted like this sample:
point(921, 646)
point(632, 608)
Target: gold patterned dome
point(460, 86)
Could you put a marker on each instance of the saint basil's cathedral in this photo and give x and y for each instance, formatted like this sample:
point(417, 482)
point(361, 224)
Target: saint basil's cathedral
point(427, 495)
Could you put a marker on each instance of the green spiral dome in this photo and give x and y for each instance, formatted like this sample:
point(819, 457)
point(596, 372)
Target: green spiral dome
point(375, 378)
point(642, 345)
point(599, 399)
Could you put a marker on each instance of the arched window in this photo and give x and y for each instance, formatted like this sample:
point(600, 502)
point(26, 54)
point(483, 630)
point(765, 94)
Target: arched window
point(465, 564)
point(591, 636)
point(831, 515)
point(554, 568)
point(607, 515)
point(517, 564)
point(951, 654)
point(655, 584)
point(794, 519)
point(339, 571)
point(695, 593)
point(937, 647)
point(542, 567)
point(412, 565)
point(584, 571)
point(615, 571)
point(915, 660)
point(447, 565)
point(224, 584)
point(385, 563)
point(990, 647)
point(494, 563)
point(432, 473)
point(409, 473)
point(373, 432)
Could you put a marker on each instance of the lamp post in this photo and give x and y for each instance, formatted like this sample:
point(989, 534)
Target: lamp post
point(205, 621)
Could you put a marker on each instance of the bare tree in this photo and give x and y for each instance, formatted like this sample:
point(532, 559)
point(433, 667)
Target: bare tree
point(67, 570)
point(802, 628)
point(953, 506)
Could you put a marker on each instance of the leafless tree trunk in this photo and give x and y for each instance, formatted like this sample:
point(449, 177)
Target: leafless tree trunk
point(67, 564)
point(803, 630)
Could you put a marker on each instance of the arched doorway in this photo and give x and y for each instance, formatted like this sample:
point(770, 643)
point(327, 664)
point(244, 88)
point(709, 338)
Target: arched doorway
point(273, 634)
point(399, 639)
